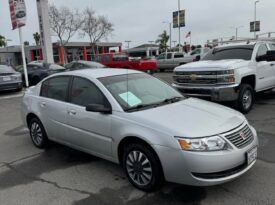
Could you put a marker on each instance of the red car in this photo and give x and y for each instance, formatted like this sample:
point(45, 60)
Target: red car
point(121, 60)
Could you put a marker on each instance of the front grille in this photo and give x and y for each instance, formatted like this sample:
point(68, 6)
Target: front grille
point(241, 138)
point(196, 77)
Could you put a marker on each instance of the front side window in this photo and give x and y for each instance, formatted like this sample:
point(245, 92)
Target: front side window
point(139, 90)
point(84, 93)
point(169, 56)
point(161, 57)
point(262, 50)
point(56, 88)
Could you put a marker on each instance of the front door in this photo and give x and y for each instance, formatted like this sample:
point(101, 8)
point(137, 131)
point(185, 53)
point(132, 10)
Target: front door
point(88, 130)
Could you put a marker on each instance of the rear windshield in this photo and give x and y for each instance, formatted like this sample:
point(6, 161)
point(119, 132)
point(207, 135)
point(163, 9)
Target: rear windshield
point(6, 69)
point(238, 52)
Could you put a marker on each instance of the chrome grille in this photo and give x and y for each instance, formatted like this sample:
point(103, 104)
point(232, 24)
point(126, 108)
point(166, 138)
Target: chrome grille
point(196, 77)
point(241, 138)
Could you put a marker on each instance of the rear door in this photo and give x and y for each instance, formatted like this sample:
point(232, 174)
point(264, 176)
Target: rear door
point(88, 130)
point(53, 106)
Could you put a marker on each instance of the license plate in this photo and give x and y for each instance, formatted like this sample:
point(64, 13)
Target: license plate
point(6, 78)
point(252, 155)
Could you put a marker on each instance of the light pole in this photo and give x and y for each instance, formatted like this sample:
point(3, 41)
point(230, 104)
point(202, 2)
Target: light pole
point(170, 32)
point(150, 48)
point(180, 49)
point(255, 17)
point(128, 42)
point(237, 28)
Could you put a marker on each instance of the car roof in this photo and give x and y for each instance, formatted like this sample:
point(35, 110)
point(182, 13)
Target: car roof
point(243, 43)
point(100, 73)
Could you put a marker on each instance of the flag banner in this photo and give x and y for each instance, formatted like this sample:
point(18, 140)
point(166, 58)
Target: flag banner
point(181, 16)
point(18, 13)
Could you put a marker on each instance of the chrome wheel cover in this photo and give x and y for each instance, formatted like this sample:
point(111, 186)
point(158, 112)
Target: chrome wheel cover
point(247, 99)
point(139, 168)
point(36, 133)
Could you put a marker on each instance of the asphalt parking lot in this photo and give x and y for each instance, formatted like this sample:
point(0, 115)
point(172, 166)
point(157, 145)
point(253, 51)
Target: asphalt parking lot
point(61, 175)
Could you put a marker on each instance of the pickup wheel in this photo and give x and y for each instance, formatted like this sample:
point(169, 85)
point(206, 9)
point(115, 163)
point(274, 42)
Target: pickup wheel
point(246, 98)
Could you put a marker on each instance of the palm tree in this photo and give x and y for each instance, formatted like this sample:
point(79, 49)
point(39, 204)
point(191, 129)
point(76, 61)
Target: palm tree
point(2, 41)
point(37, 37)
point(163, 40)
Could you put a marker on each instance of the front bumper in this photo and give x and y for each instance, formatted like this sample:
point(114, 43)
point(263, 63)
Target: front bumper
point(14, 85)
point(215, 93)
point(205, 168)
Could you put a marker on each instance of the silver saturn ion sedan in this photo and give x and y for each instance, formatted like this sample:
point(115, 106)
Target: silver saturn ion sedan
point(134, 119)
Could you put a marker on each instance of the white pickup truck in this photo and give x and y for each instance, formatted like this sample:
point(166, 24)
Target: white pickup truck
point(232, 72)
point(170, 60)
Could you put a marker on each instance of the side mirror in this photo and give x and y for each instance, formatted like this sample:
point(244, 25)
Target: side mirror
point(99, 108)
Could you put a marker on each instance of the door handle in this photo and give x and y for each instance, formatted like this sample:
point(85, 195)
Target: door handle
point(72, 112)
point(272, 64)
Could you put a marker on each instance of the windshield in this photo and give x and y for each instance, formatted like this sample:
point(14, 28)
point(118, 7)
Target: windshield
point(6, 69)
point(93, 64)
point(241, 52)
point(135, 90)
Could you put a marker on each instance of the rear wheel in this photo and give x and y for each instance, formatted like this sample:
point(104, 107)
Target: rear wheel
point(38, 133)
point(142, 167)
point(246, 98)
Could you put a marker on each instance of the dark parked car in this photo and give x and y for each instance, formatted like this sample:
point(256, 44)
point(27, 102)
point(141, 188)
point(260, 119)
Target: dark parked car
point(10, 79)
point(79, 65)
point(37, 71)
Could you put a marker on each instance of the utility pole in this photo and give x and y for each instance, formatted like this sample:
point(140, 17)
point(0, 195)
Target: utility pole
point(255, 17)
point(180, 49)
point(236, 29)
point(128, 42)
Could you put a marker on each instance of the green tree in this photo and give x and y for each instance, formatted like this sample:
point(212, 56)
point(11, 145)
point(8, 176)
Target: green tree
point(37, 37)
point(2, 41)
point(163, 40)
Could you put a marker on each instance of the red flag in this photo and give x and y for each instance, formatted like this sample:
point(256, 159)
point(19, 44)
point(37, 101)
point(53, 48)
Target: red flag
point(188, 34)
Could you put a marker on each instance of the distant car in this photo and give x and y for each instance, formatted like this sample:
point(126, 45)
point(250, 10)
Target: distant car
point(10, 79)
point(79, 65)
point(37, 71)
point(20, 14)
point(132, 118)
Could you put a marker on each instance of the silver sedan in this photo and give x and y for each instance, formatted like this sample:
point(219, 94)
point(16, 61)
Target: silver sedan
point(10, 79)
point(132, 118)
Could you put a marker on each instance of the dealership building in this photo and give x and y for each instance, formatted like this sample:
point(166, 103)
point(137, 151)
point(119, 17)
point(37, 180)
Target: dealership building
point(72, 51)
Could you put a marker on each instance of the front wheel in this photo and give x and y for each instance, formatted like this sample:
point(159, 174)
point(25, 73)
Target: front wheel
point(142, 167)
point(246, 98)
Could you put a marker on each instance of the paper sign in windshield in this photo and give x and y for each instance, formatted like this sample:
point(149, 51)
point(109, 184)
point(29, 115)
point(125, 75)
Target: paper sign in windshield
point(130, 99)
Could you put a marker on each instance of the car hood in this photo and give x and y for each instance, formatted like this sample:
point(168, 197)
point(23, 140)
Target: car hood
point(212, 65)
point(190, 118)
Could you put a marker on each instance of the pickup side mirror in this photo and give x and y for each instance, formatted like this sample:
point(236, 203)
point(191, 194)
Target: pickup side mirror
point(99, 108)
point(269, 56)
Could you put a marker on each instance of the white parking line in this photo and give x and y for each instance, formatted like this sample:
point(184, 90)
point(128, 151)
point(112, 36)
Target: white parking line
point(12, 96)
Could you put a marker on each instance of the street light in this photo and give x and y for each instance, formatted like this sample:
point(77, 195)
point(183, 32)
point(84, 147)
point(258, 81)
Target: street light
point(128, 42)
point(236, 28)
point(255, 17)
point(170, 33)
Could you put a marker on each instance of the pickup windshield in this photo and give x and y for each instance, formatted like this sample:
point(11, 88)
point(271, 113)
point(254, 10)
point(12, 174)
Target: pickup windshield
point(225, 53)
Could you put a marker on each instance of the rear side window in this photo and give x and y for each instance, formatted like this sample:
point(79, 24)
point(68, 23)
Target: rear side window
point(84, 92)
point(178, 55)
point(56, 88)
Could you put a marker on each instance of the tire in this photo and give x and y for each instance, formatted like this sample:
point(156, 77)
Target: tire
point(38, 134)
point(142, 167)
point(246, 98)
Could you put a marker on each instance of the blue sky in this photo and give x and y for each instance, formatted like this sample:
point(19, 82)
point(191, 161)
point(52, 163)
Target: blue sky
point(141, 20)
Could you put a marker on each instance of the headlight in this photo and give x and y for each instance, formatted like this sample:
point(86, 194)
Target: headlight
point(17, 77)
point(215, 143)
point(226, 77)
